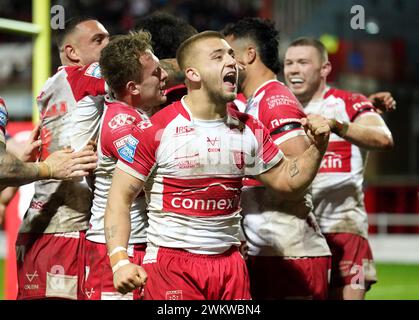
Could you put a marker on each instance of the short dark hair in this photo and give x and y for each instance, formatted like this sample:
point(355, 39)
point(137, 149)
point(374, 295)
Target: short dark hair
point(119, 60)
point(167, 33)
point(184, 52)
point(265, 36)
point(69, 26)
point(311, 42)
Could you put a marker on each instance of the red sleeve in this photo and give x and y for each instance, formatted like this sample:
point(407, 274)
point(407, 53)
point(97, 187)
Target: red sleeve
point(117, 134)
point(281, 113)
point(86, 81)
point(357, 104)
point(266, 151)
point(144, 157)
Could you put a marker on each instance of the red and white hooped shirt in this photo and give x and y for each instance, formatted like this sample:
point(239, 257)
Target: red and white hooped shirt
point(337, 188)
point(193, 171)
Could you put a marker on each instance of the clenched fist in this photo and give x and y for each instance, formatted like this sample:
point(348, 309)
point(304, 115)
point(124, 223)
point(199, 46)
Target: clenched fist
point(318, 130)
point(129, 277)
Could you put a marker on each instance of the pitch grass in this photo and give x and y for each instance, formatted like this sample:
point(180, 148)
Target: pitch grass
point(395, 282)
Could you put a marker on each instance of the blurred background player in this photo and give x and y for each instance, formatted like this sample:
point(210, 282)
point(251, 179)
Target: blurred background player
point(288, 256)
point(136, 79)
point(193, 158)
point(337, 190)
point(51, 238)
point(167, 33)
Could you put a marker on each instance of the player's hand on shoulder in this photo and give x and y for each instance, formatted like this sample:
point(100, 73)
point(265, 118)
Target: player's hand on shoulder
point(66, 164)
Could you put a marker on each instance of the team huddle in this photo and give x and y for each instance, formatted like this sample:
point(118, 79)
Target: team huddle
point(198, 176)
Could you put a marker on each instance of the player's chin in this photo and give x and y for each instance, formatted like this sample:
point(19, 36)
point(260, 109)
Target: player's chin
point(230, 96)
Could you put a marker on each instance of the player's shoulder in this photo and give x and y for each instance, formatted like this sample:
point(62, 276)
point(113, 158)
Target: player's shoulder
point(278, 94)
point(347, 96)
point(119, 116)
point(240, 119)
point(166, 115)
point(114, 107)
point(90, 71)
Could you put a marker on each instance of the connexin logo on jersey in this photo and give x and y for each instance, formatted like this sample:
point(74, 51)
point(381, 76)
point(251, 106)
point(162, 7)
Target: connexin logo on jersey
point(126, 147)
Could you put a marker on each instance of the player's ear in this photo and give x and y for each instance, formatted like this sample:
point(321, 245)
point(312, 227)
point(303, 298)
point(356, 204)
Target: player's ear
point(192, 75)
point(250, 54)
point(71, 53)
point(132, 88)
point(326, 69)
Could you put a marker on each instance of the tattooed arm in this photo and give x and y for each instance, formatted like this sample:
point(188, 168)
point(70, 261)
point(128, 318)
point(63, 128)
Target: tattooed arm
point(124, 189)
point(292, 176)
point(14, 172)
point(63, 164)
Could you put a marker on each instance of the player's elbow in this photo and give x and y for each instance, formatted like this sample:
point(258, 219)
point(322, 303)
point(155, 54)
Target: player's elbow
point(386, 142)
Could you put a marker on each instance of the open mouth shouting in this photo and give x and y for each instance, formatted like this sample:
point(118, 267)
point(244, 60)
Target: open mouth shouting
point(230, 80)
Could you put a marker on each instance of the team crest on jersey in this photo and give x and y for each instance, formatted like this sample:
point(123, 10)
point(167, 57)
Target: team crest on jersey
point(238, 157)
point(126, 147)
point(120, 120)
point(174, 295)
point(94, 71)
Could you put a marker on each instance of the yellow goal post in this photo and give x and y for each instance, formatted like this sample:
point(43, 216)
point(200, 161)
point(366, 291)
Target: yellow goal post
point(41, 31)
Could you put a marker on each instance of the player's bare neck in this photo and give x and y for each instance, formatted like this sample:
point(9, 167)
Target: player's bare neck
point(257, 76)
point(203, 108)
point(316, 96)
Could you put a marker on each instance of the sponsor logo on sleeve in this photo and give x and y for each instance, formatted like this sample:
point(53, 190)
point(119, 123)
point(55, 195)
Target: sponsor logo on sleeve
point(94, 71)
point(280, 122)
point(280, 100)
point(120, 120)
point(360, 105)
point(126, 147)
point(144, 124)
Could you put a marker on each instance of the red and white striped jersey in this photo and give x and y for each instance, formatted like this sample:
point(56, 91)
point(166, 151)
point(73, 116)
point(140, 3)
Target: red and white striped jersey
point(274, 226)
point(117, 141)
point(70, 106)
point(3, 120)
point(337, 189)
point(193, 171)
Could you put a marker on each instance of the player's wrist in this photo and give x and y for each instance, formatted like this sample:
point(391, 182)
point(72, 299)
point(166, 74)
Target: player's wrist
point(119, 265)
point(118, 258)
point(44, 170)
point(339, 127)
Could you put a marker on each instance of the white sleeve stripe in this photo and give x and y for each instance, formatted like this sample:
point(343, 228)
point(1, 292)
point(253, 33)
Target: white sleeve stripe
point(274, 161)
point(127, 169)
point(289, 135)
